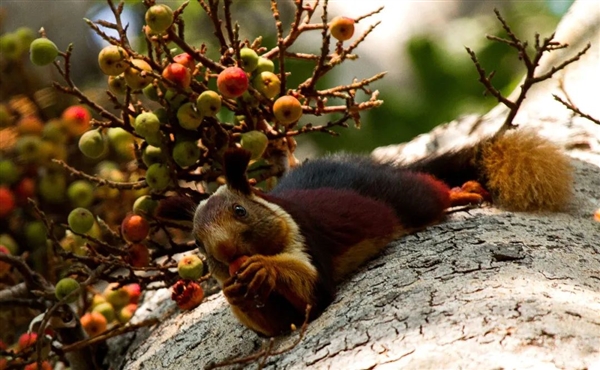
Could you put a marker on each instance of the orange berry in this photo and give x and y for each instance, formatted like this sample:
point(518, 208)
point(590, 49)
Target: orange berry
point(342, 28)
point(287, 109)
point(93, 323)
point(135, 228)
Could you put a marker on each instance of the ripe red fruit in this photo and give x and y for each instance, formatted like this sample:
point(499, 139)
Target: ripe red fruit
point(135, 228)
point(186, 60)
point(93, 323)
point(232, 82)
point(342, 28)
point(33, 366)
point(27, 340)
point(134, 291)
point(7, 201)
point(25, 189)
point(235, 265)
point(187, 294)
point(77, 118)
point(138, 255)
point(287, 109)
point(178, 74)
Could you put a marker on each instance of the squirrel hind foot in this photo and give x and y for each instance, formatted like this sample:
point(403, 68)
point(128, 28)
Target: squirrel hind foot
point(527, 173)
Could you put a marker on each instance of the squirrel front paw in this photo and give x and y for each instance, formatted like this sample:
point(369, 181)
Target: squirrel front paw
point(252, 284)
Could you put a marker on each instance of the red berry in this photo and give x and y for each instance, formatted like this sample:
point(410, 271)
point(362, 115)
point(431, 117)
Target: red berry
point(7, 201)
point(186, 60)
point(235, 265)
point(27, 340)
point(135, 228)
point(232, 82)
point(187, 294)
point(138, 255)
point(178, 74)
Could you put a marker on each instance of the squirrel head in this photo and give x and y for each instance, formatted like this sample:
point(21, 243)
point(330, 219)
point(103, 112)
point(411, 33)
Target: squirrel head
point(236, 221)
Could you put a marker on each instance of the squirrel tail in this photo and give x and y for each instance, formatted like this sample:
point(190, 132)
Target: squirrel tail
point(522, 171)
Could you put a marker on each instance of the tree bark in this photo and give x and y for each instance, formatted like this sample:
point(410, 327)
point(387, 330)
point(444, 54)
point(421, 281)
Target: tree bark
point(486, 289)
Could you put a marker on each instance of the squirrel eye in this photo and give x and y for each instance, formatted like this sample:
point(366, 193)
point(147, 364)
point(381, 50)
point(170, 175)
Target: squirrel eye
point(239, 210)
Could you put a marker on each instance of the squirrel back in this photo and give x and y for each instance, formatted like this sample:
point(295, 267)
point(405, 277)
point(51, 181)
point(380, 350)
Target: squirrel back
point(330, 215)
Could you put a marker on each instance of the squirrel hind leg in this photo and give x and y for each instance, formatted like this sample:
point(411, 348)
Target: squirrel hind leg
point(527, 173)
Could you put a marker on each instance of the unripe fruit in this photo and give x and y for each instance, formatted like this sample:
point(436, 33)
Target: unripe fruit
point(42, 51)
point(137, 77)
point(7, 241)
point(9, 46)
point(232, 82)
point(342, 28)
point(178, 74)
point(144, 205)
point(25, 36)
point(287, 109)
point(9, 173)
point(56, 131)
point(29, 149)
point(27, 340)
point(35, 234)
point(105, 309)
point(127, 312)
point(117, 84)
point(157, 177)
point(159, 18)
point(80, 220)
point(112, 60)
point(264, 64)
point(267, 83)
point(92, 144)
point(146, 124)
point(134, 228)
point(208, 103)
point(118, 297)
point(235, 265)
point(256, 142)
point(66, 286)
point(52, 187)
point(93, 323)
point(81, 193)
point(7, 201)
point(152, 154)
point(249, 59)
point(151, 92)
point(138, 255)
point(189, 117)
point(190, 267)
point(97, 299)
point(186, 153)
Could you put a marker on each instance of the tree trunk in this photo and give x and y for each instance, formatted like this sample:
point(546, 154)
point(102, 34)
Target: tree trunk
point(486, 289)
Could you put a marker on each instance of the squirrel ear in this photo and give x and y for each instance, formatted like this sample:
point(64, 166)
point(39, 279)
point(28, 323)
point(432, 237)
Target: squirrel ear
point(236, 163)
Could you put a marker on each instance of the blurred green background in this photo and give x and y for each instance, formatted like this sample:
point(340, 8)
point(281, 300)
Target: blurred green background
point(431, 79)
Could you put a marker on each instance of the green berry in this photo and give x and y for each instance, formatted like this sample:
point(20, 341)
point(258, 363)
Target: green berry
point(9, 172)
point(158, 177)
point(146, 124)
point(190, 267)
point(208, 103)
point(249, 59)
point(159, 18)
point(151, 155)
point(186, 153)
point(9, 46)
point(92, 144)
point(29, 149)
point(117, 85)
point(264, 64)
point(256, 142)
point(10, 243)
point(80, 220)
point(66, 286)
point(42, 51)
point(112, 60)
point(35, 234)
point(144, 205)
point(189, 117)
point(81, 193)
point(105, 309)
point(52, 188)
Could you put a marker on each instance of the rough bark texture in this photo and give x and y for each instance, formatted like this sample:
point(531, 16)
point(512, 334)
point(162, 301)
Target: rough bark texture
point(487, 289)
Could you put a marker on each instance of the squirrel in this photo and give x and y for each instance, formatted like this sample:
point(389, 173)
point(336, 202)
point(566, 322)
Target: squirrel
point(328, 216)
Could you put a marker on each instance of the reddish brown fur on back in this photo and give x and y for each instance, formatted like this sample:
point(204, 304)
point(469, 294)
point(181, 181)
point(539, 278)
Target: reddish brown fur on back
point(527, 173)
